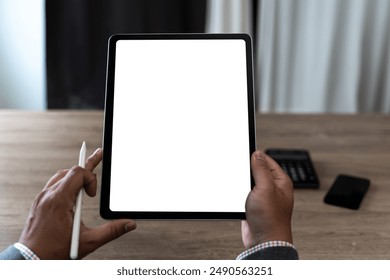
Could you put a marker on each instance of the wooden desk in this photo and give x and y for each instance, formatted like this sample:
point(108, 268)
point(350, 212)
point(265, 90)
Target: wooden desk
point(35, 145)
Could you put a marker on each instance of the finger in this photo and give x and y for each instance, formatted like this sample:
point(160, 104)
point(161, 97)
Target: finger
point(75, 180)
point(94, 160)
point(277, 171)
point(110, 231)
point(278, 174)
point(56, 177)
point(91, 187)
point(261, 171)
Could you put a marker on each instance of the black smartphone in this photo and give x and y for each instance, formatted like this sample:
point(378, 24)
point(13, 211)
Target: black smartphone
point(347, 191)
point(298, 165)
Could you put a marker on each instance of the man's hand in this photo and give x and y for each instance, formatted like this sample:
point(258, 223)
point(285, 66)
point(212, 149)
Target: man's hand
point(269, 204)
point(49, 225)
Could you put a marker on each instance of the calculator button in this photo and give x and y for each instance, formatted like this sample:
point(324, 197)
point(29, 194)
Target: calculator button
point(293, 173)
point(302, 174)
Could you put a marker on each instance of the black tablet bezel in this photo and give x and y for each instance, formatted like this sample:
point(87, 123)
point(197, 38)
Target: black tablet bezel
point(105, 211)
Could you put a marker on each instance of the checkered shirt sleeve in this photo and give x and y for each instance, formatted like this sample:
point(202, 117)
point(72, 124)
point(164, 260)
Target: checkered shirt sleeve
point(263, 246)
point(26, 252)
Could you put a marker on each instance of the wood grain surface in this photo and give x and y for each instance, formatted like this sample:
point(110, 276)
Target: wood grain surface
point(34, 145)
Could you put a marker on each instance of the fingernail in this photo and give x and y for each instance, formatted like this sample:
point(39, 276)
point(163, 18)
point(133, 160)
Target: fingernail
point(259, 155)
point(129, 227)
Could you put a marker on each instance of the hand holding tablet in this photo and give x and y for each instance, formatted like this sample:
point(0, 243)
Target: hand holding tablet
point(269, 205)
point(179, 126)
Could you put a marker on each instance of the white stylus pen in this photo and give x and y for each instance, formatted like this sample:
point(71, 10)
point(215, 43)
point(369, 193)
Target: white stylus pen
point(74, 245)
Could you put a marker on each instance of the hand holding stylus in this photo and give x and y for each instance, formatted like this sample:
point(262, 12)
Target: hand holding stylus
point(48, 229)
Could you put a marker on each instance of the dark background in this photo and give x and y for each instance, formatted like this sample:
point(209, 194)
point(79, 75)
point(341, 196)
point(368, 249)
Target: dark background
point(77, 32)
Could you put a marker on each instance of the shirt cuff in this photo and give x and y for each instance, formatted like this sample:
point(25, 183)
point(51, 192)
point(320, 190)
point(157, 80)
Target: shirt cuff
point(263, 246)
point(26, 252)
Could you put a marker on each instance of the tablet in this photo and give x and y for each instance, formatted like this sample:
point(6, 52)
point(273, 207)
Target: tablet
point(179, 126)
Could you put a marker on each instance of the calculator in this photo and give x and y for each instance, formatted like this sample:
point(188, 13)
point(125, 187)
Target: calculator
point(298, 165)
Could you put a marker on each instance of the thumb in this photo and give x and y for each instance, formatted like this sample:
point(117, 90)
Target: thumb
point(260, 169)
point(110, 231)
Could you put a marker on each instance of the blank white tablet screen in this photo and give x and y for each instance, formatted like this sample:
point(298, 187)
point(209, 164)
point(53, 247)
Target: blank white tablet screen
point(180, 139)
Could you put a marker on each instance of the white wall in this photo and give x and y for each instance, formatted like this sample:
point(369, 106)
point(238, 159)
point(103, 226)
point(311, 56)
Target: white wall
point(22, 54)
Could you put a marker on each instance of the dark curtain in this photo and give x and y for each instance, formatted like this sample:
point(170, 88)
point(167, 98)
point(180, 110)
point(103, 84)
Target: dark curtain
point(77, 32)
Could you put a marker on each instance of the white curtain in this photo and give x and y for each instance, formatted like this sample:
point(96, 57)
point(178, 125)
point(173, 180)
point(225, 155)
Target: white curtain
point(314, 56)
point(229, 16)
